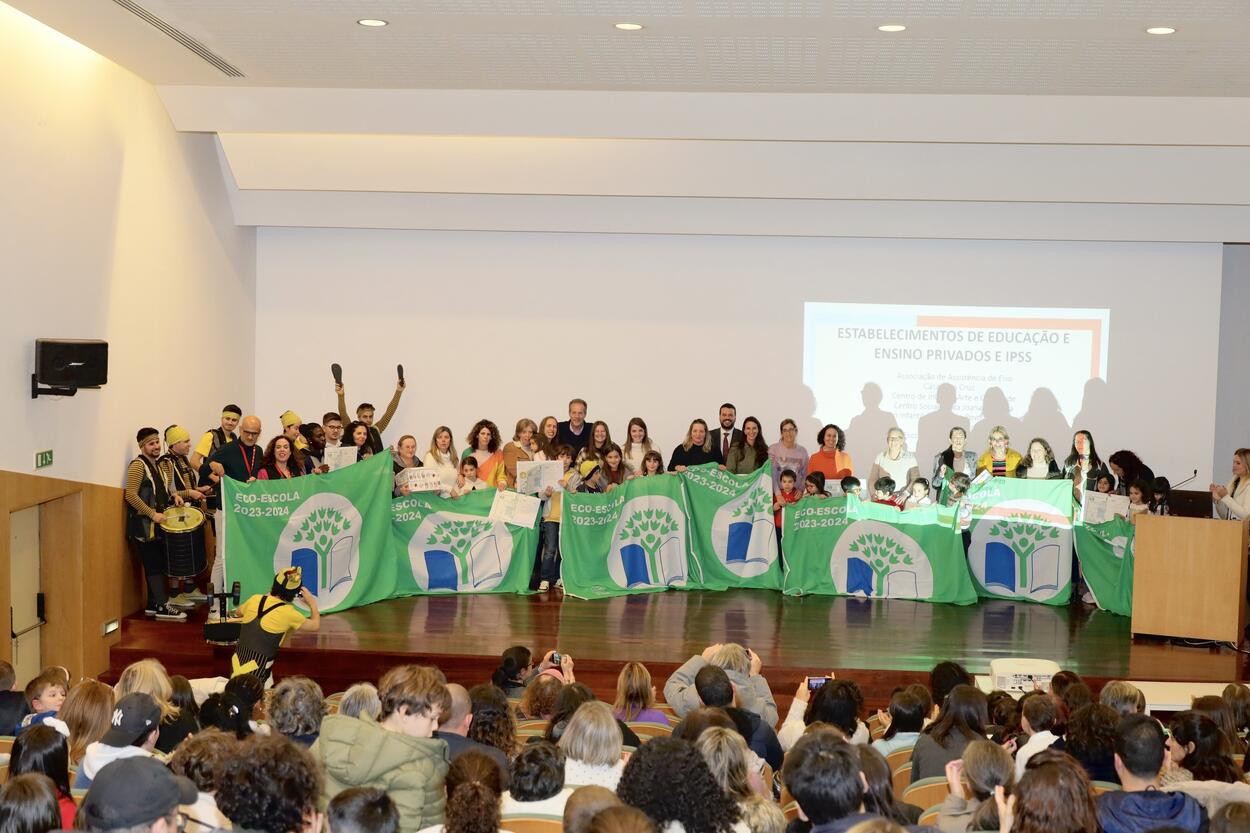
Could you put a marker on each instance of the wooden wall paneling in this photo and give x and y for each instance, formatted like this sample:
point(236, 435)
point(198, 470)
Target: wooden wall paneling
point(88, 573)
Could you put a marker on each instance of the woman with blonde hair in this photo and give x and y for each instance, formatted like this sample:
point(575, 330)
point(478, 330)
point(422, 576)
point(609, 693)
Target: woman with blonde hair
point(695, 450)
point(591, 743)
point(635, 696)
point(149, 677)
point(87, 711)
point(1232, 502)
point(442, 457)
point(999, 458)
point(729, 759)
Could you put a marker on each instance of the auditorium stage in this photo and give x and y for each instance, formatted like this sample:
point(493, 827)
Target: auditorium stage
point(880, 643)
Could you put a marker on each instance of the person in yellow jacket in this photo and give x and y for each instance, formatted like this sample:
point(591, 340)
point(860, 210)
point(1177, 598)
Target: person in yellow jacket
point(999, 459)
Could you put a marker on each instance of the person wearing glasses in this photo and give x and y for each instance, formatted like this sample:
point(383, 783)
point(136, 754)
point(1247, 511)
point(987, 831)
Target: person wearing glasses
point(786, 453)
point(241, 461)
point(1000, 460)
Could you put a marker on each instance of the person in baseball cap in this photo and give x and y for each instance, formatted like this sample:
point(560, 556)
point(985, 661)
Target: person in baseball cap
point(135, 724)
point(135, 793)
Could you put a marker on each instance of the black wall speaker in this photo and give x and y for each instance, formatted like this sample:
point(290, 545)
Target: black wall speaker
point(70, 364)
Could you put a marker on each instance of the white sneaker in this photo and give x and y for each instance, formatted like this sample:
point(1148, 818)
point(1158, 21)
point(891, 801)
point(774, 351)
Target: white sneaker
point(544, 586)
point(559, 584)
point(1088, 598)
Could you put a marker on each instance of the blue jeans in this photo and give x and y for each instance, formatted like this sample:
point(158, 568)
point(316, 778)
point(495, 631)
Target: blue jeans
point(550, 569)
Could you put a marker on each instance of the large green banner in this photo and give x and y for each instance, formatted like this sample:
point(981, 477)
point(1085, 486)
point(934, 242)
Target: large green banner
point(452, 546)
point(335, 527)
point(732, 530)
point(1022, 539)
point(635, 539)
point(1106, 554)
point(845, 547)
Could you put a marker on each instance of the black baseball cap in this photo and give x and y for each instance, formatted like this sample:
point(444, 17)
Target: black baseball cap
point(134, 791)
point(134, 716)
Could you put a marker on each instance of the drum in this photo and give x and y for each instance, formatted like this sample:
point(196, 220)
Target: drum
point(185, 555)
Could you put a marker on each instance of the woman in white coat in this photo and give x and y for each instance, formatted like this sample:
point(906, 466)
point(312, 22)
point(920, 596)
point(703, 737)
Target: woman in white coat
point(1232, 502)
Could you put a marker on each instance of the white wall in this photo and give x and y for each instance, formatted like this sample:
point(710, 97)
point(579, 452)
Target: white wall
point(667, 327)
point(112, 226)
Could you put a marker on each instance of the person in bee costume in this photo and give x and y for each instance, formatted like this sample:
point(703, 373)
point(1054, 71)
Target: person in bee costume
point(267, 619)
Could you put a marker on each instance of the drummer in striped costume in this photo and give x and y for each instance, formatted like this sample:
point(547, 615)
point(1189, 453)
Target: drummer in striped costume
point(267, 619)
point(181, 480)
point(147, 498)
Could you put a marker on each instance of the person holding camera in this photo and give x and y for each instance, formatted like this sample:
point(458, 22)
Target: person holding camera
point(266, 619)
point(743, 667)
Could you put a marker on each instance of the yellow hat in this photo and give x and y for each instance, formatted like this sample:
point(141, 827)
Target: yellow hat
point(176, 434)
point(588, 467)
point(290, 418)
point(289, 579)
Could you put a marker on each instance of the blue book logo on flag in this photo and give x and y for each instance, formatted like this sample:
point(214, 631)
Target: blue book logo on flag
point(647, 551)
point(1000, 566)
point(754, 511)
point(452, 550)
point(858, 576)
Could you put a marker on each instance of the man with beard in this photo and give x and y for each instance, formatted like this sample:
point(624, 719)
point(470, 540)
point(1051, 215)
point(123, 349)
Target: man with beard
point(726, 435)
point(146, 500)
point(182, 481)
point(240, 461)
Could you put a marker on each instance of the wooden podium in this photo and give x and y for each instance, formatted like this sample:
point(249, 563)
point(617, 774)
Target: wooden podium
point(1189, 577)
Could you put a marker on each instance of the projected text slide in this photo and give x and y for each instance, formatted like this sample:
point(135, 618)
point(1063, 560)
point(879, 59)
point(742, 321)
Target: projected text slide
point(860, 358)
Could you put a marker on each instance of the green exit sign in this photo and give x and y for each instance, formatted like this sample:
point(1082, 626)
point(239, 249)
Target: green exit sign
point(43, 459)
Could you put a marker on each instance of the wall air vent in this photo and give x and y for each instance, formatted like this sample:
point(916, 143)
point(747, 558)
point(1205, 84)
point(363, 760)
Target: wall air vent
point(224, 66)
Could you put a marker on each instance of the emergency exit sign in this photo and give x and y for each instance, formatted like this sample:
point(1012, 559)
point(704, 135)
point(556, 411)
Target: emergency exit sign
point(43, 459)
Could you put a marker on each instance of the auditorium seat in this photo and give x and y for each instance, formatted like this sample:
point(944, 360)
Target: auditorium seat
point(930, 817)
point(534, 824)
point(902, 777)
point(899, 757)
point(650, 730)
point(1101, 787)
point(927, 792)
point(790, 810)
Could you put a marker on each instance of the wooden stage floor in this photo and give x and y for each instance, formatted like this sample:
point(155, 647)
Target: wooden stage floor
point(880, 643)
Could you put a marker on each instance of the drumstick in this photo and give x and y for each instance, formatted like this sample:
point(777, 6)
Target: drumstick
point(399, 368)
point(336, 370)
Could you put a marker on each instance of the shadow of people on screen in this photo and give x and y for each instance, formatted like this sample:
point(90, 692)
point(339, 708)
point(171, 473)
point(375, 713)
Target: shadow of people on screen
point(933, 431)
point(1044, 419)
point(865, 435)
point(995, 410)
point(1096, 409)
point(806, 420)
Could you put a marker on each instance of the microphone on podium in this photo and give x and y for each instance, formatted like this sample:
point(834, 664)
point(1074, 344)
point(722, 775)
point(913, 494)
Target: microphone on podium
point(1186, 480)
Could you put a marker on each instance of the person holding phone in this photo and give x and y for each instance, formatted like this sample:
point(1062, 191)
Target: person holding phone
point(266, 619)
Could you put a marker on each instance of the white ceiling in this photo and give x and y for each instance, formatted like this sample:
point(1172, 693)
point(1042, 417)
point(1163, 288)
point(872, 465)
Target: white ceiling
point(1051, 47)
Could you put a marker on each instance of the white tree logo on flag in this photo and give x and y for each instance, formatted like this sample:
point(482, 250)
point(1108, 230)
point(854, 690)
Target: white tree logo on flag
point(1023, 545)
point(322, 538)
point(649, 544)
point(457, 553)
point(873, 558)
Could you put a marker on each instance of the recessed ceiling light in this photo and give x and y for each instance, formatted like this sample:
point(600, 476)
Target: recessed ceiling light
point(1160, 30)
point(892, 27)
point(628, 27)
point(371, 21)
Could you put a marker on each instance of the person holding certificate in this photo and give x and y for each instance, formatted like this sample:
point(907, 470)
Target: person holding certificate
point(520, 449)
point(404, 456)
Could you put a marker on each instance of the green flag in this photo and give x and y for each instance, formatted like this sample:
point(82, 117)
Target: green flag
point(335, 527)
point(452, 546)
point(732, 530)
point(845, 547)
point(1022, 539)
point(1106, 554)
point(632, 540)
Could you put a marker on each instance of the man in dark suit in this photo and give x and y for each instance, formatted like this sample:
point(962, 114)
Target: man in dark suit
point(453, 731)
point(726, 435)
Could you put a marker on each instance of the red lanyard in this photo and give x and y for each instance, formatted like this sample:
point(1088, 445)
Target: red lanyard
point(248, 463)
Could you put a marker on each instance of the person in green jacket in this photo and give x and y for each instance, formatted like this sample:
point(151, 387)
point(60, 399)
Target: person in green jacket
point(398, 753)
